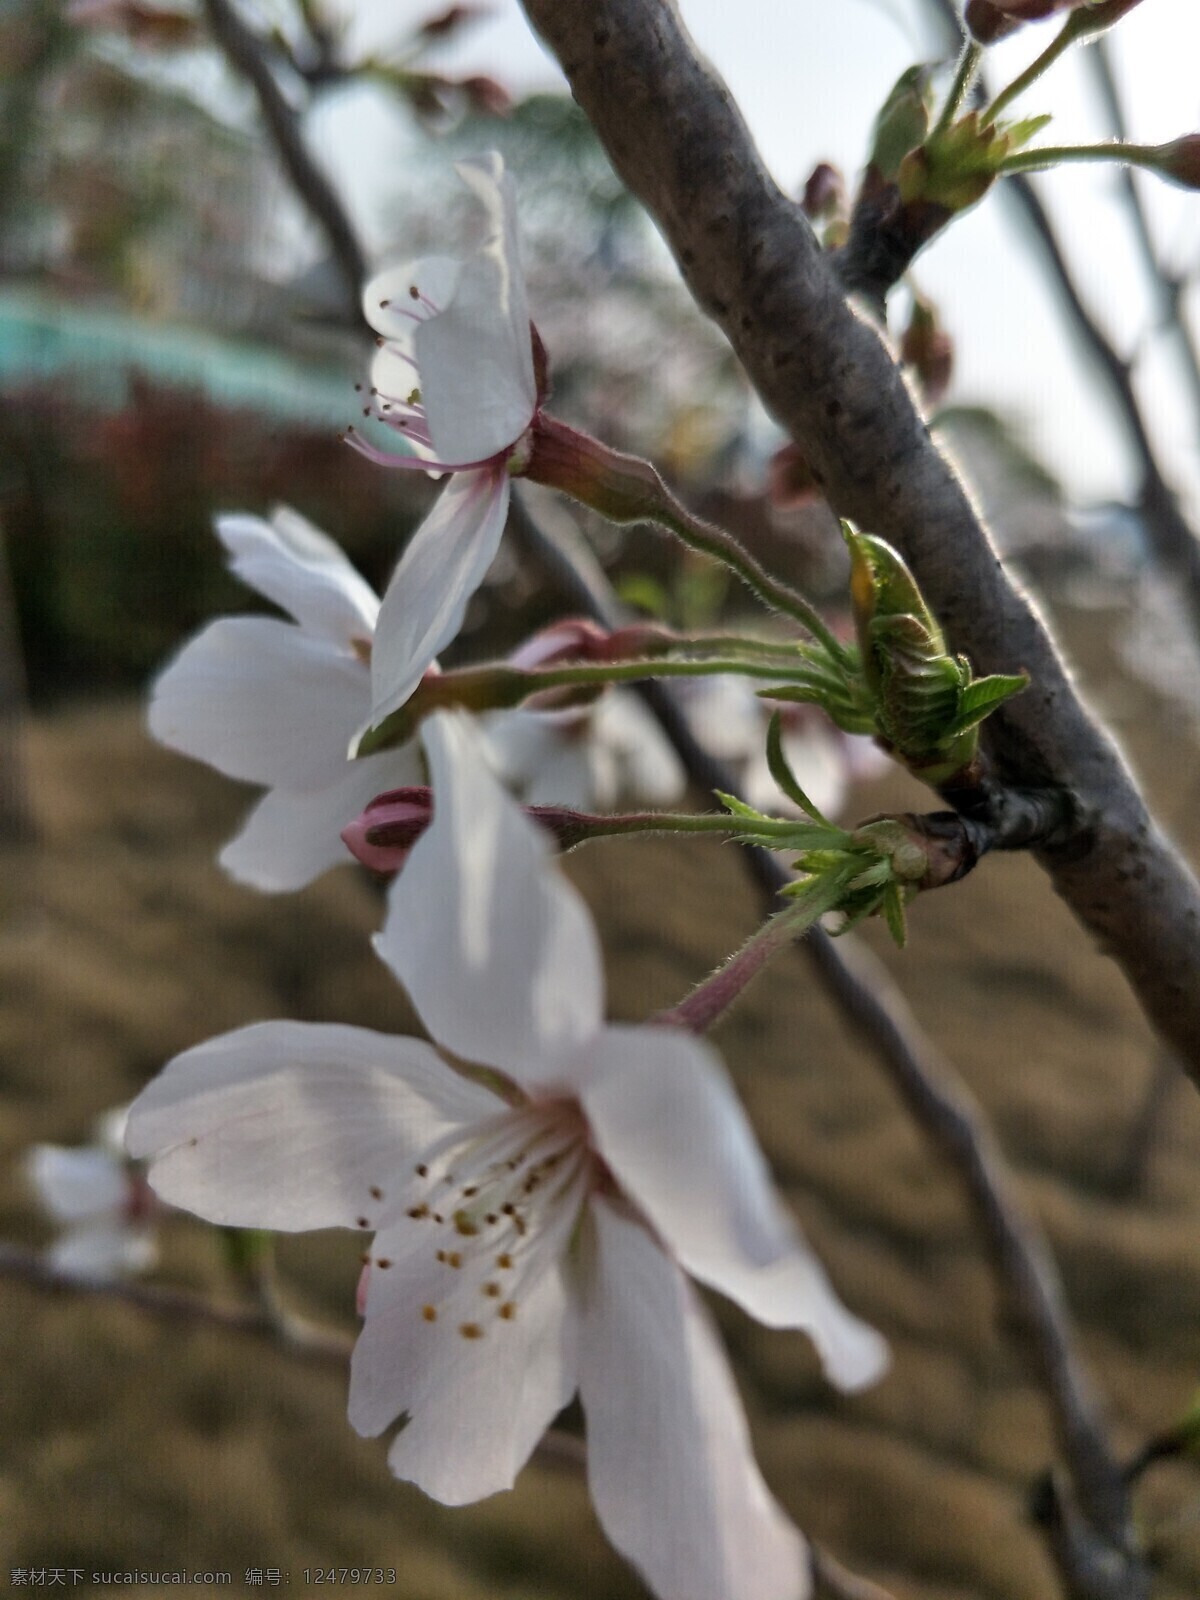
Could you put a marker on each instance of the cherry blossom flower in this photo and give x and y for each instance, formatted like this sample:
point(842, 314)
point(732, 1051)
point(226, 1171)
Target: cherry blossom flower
point(100, 1202)
point(535, 1207)
point(278, 703)
point(455, 376)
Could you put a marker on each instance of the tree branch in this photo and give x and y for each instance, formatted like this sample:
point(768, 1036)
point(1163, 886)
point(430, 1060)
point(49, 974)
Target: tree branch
point(678, 141)
point(261, 1319)
point(246, 54)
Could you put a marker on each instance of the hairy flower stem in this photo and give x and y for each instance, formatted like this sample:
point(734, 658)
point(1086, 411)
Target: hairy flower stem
point(968, 66)
point(500, 687)
point(624, 488)
point(710, 999)
point(1063, 41)
point(1132, 155)
point(572, 828)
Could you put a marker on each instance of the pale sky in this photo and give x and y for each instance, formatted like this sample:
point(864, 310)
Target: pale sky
point(809, 76)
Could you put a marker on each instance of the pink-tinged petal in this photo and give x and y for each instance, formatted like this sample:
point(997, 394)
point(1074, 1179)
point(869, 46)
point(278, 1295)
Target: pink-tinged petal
point(263, 701)
point(670, 1466)
point(303, 572)
point(495, 948)
point(476, 1401)
point(443, 565)
point(292, 837)
point(389, 304)
point(668, 1123)
point(72, 1184)
point(291, 1125)
point(475, 357)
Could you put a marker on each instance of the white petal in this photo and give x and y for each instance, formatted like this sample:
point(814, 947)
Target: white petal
point(72, 1184)
point(302, 571)
point(539, 759)
point(668, 1123)
point(476, 1406)
point(291, 838)
point(670, 1466)
point(495, 948)
point(647, 768)
point(388, 302)
point(263, 701)
point(292, 1125)
point(100, 1252)
point(443, 565)
point(727, 716)
point(475, 358)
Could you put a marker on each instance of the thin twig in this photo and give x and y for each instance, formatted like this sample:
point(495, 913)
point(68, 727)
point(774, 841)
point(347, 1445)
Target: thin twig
point(247, 54)
point(298, 1336)
point(1173, 540)
point(1167, 288)
point(261, 1318)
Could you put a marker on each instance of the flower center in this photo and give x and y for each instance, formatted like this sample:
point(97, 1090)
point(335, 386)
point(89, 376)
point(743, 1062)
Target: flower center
point(499, 1205)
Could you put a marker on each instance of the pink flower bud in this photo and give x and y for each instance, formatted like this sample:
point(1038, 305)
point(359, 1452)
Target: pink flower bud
point(791, 482)
point(449, 20)
point(487, 96)
point(387, 830)
point(572, 639)
point(990, 20)
point(824, 193)
point(928, 349)
point(1101, 14)
point(1179, 161)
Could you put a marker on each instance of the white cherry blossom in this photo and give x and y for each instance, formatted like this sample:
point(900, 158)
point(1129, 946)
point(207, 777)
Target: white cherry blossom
point(454, 375)
point(101, 1205)
point(278, 703)
point(535, 1205)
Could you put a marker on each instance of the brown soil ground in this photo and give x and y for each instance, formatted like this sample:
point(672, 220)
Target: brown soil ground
point(128, 1443)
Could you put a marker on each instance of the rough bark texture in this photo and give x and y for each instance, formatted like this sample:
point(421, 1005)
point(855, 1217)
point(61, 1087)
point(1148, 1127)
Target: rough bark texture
point(677, 139)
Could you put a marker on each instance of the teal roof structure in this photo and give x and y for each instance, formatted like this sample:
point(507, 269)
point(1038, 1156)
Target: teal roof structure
point(45, 337)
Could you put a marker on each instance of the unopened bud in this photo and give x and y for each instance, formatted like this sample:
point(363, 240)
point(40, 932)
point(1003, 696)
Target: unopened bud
point(581, 639)
point(791, 482)
point(1179, 161)
point(989, 20)
point(487, 96)
point(1098, 15)
point(383, 835)
point(621, 487)
point(824, 194)
point(929, 350)
point(450, 20)
point(903, 121)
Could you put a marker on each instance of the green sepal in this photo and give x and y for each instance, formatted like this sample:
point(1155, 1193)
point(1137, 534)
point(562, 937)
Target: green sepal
point(893, 914)
point(981, 696)
point(850, 718)
point(739, 808)
point(903, 120)
point(783, 775)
